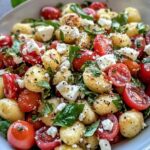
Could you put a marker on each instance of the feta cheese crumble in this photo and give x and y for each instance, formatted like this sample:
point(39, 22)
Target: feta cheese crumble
point(147, 49)
point(52, 131)
point(107, 124)
point(104, 144)
point(61, 48)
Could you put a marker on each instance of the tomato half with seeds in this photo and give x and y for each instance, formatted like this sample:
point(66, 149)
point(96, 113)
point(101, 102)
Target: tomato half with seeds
point(28, 100)
point(1, 61)
point(148, 90)
point(98, 5)
point(106, 134)
point(5, 41)
point(119, 74)
point(11, 87)
point(102, 45)
point(45, 141)
point(89, 11)
point(135, 97)
point(84, 56)
point(21, 135)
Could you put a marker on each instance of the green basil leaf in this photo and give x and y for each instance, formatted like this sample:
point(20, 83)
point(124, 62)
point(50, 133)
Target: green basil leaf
point(44, 84)
point(68, 115)
point(4, 125)
point(62, 36)
point(142, 28)
point(77, 9)
point(93, 31)
point(16, 2)
point(146, 113)
point(48, 108)
point(90, 130)
point(136, 82)
point(73, 52)
point(146, 60)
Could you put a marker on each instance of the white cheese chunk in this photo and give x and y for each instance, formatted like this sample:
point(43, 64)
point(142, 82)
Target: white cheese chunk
point(17, 59)
point(61, 48)
point(81, 116)
point(75, 32)
point(69, 92)
point(3, 71)
point(65, 63)
point(106, 61)
point(147, 49)
point(45, 33)
point(104, 144)
point(60, 107)
point(86, 22)
point(52, 131)
point(129, 52)
point(20, 83)
point(106, 23)
point(107, 124)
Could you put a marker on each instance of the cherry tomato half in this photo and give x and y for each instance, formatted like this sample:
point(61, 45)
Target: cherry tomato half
point(102, 45)
point(84, 56)
point(89, 11)
point(98, 5)
point(148, 90)
point(21, 135)
point(11, 88)
point(45, 141)
point(109, 135)
point(5, 41)
point(138, 43)
point(135, 97)
point(49, 12)
point(8, 61)
point(54, 44)
point(1, 61)
point(119, 74)
point(28, 100)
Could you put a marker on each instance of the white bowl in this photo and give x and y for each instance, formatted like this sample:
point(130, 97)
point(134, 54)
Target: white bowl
point(31, 9)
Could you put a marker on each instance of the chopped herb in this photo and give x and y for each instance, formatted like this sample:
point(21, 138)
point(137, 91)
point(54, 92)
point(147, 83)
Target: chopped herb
point(59, 5)
point(146, 60)
point(68, 115)
point(50, 72)
point(15, 3)
point(34, 118)
point(86, 3)
point(73, 53)
point(46, 94)
point(44, 84)
point(94, 31)
point(146, 113)
point(77, 9)
point(142, 28)
point(90, 130)
point(136, 82)
point(62, 36)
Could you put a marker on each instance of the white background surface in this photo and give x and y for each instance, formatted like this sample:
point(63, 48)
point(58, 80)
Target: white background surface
point(4, 6)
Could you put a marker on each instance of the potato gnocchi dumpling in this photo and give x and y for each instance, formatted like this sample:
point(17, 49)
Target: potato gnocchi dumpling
point(67, 147)
point(33, 76)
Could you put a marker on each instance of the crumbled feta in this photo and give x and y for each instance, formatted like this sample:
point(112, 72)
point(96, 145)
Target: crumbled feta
point(17, 59)
point(81, 116)
point(88, 146)
point(106, 61)
point(129, 52)
point(45, 33)
point(147, 49)
point(104, 144)
point(52, 131)
point(74, 146)
point(144, 125)
point(75, 32)
point(107, 124)
point(66, 64)
point(86, 22)
point(20, 83)
point(69, 92)
point(106, 23)
point(3, 71)
point(61, 48)
point(60, 107)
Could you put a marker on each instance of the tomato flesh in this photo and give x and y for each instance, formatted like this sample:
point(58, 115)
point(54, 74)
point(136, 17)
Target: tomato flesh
point(109, 135)
point(21, 135)
point(45, 141)
point(89, 11)
point(135, 97)
point(102, 45)
point(5, 41)
point(98, 5)
point(119, 74)
point(85, 56)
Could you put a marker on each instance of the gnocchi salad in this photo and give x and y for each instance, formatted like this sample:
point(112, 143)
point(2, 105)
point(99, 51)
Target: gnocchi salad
point(76, 78)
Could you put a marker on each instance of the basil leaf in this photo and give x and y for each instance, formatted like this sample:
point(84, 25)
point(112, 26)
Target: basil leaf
point(136, 82)
point(44, 84)
point(68, 115)
point(46, 94)
point(93, 31)
point(142, 28)
point(146, 60)
point(90, 130)
point(4, 125)
point(62, 36)
point(73, 52)
point(16, 2)
point(146, 113)
point(48, 108)
point(77, 9)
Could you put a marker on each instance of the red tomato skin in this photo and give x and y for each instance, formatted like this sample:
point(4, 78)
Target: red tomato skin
point(5, 41)
point(49, 12)
point(120, 70)
point(8, 61)
point(102, 45)
point(145, 73)
point(1, 61)
point(98, 5)
point(11, 88)
point(142, 42)
point(109, 135)
point(54, 44)
point(138, 94)
point(86, 55)
point(21, 139)
point(28, 100)
point(89, 11)
point(46, 143)
point(148, 90)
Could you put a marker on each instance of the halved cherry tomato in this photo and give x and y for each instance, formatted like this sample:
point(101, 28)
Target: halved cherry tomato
point(11, 88)
point(1, 61)
point(89, 11)
point(8, 61)
point(117, 139)
point(54, 44)
point(85, 56)
point(119, 74)
point(147, 38)
point(98, 5)
point(28, 100)
point(145, 72)
point(109, 135)
point(45, 141)
point(21, 135)
point(133, 66)
point(148, 90)
point(138, 43)
point(5, 41)
point(135, 97)
point(49, 12)
point(32, 57)
point(102, 45)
